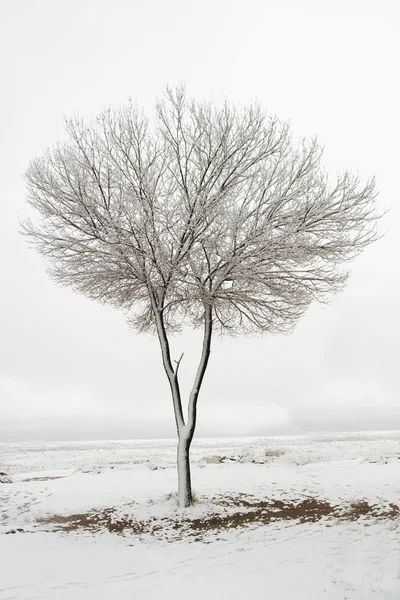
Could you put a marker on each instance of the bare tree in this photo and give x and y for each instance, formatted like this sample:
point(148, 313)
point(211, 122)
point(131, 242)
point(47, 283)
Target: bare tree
point(205, 215)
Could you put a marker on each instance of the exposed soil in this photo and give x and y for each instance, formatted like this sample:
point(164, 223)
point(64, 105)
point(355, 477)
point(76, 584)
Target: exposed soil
point(249, 511)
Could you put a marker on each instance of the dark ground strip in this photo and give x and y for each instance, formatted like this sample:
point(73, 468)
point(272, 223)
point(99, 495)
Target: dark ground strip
point(250, 511)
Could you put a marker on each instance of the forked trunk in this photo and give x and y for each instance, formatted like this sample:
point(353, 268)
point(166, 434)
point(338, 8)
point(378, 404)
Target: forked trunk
point(184, 481)
point(185, 429)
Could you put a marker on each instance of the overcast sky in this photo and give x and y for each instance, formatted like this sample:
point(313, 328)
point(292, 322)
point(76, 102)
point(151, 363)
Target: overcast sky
point(71, 369)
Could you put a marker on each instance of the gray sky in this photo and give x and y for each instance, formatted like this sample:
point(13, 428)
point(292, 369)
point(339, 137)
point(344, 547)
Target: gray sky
point(71, 369)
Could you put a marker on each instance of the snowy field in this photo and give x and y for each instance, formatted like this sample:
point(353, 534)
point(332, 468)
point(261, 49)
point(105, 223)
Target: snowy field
point(98, 520)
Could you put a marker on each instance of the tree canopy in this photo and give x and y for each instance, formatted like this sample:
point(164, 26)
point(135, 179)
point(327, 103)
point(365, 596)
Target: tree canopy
point(203, 204)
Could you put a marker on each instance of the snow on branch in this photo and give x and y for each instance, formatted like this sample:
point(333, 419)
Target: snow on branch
point(202, 205)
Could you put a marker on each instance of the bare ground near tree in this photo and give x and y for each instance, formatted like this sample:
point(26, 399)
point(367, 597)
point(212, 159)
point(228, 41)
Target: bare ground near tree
point(244, 511)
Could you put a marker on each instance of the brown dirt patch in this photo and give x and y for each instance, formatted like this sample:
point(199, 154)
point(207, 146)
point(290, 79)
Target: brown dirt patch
point(360, 509)
point(245, 512)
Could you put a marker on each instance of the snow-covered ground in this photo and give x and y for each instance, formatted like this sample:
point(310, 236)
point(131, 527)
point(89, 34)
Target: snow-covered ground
point(285, 559)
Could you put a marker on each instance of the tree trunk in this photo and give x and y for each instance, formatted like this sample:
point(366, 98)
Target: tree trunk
point(185, 429)
point(184, 480)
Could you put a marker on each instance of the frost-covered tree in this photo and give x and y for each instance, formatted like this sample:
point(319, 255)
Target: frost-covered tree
point(204, 215)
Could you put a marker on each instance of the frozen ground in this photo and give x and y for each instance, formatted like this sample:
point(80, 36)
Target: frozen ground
point(329, 558)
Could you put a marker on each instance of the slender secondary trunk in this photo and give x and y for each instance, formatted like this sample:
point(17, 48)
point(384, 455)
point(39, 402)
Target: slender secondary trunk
point(185, 433)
